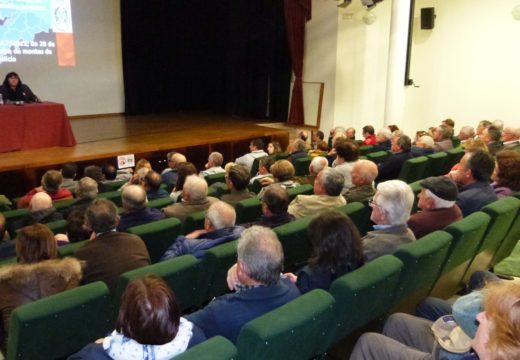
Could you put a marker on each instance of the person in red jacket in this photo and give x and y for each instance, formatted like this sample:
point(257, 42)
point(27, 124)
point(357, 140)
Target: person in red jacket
point(369, 135)
point(51, 184)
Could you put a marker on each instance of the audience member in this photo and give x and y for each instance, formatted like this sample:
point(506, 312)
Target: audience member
point(68, 172)
point(335, 132)
point(364, 172)
point(491, 136)
point(466, 133)
point(110, 173)
point(449, 122)
point(327, 195)
point(317, 137)
point(391, 207)
point(237, 180)
point(184, 170)
point(484, 124)
point(152, 186)
point(256, 148)
point(41, 210)
point(94, 172)
point(506, 176)
point(423, 146)
point(256, 279)
point(384, 140)
point(499, 124)
point(391, 168)
point(51, 184)
point(298, 151)
point(274, 148)
point(317, 164)
point(470, 146)
point(86, 194)
point(109, 253)
point(214, 165)
point(321, 149)
point(75, 231)
point(135, 212)
point(275, 203)
point(511, 137)
point(264, 169)
point(143, 164)
point(442, 137)
point(169, 175)
point(393, 128)
point(351, 133)
point(369, 135)
point(219, 228)
point(194, 199)
point(437, 202)
point(347, 154)
point(283, 174)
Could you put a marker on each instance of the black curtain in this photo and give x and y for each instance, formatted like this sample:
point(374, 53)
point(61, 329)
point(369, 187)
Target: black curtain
point(225, 56)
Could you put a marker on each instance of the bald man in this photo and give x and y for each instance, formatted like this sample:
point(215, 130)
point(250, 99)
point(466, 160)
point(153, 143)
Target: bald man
point(41, 210)
point(135, 211)
point(364, 173)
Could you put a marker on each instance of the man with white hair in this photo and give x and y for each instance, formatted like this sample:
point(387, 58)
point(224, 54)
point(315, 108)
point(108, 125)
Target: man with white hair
point(466, 132)
point(214, 165)
point(384, 140)
point(364, 173)
point(135, 212)
point(511, 137)
point(86, 192)
point(41, 210)
point(219, 228)
point(423, 146)
point(391, 207)
point(169, 175)
point(194, 199)
point(298, 151)
point(258, 286)
point(491, 136)
point(437, 202)
point(442, 137)
point(317, 164)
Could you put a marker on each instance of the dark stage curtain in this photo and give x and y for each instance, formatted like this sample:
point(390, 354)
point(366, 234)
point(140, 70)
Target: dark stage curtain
point(297, 13)
point(227, 56)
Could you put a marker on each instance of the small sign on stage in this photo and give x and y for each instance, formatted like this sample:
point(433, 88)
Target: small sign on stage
point(125, 161)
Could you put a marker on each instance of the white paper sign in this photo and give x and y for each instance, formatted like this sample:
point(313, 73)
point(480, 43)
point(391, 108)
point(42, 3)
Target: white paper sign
point(125, 161)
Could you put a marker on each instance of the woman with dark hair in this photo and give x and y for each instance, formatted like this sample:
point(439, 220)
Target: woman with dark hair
point(12, 90)
point(183, 171)
point(337, 250)
point(274, 148)
point(37, 274)
point(369, 135)
point(149, 326)
point(506, 176)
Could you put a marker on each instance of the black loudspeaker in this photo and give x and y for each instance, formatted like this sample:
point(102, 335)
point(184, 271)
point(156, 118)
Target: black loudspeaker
point(427, 18)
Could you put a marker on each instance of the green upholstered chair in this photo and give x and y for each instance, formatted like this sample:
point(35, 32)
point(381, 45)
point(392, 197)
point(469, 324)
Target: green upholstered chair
point(180, 273)
point(158, 235)
point(502, 212)
point(58, 226)
point(364, 295)
point(194, 222)
point(61, 324)
point(422, 261)
point(467, 236)
point(378, 156)
point(510, 241)
point(364, 150)
point(301, 166)
point(64, 204)
point(455, 141)
point(213, 270)
point(305, 189)
point(112, 186)
point(359, 213)
point(114, 196)
point(216, 348)
point(248, 210)
point(416, 188)
point(414, 169)
point(11, 217)
point(297, 247)
point(256, 165)
point(297, 330)
point(437, 161)
point(68, 250)
point(160, 203)
point(213, 178)
point(454, 156)
point(281, 156)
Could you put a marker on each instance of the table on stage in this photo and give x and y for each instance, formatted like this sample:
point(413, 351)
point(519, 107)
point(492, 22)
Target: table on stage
point(34, 126)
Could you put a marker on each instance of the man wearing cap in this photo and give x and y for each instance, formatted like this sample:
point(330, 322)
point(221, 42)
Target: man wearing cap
point(437, 202)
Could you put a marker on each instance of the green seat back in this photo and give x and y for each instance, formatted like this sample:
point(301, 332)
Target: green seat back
point(194, 222)
point(112, 186)
point(256, 186)
point(160, 203)
point(297, 330)
point(114, 196)
point(58, 226)
point(364, 294)
point(455, 141)
point(437, 161)
point(281, 156)
point(61, 324)
point(364, 150)
point(306, 189)
point(414, 169)
point(301, 166)
point(297, 247)
point(64, 204)
point(248, 210)
point(359, 213)
point(378, 156)
point(158, 235)
point(416, 188)
point(11, 217)
point(68, 250)
point(217, 190)
point(510, 241)
point(255, 166)
point(213, 178)
point(216, 348)
point(454, 156)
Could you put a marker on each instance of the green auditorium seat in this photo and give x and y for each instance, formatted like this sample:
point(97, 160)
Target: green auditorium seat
point(510, 241)
point(61, 324)
point(248, 210)
point(213, 178)
point(160, 203)
point(364, 150)
point(256, 186)
point(68, 250)
point(301, 166)
point(359, 213)
point(216, 348)
point(297, 330)
point(112, 186)
point(58, 226)
point(305, 189)
point(114, 196)
point(281, 156)
point(437, 161)
point(422, 261)
point(297, 247)
point(416, 188)
point(256, 164)
point(455, 141)
point(180, 273)
point(364, 295)
point(414, 169)
point(467, 235)
point(158, 235)
point(378, 156)
point(194, 222)
point(11, 217)
point(454, 156)
point(64, 204)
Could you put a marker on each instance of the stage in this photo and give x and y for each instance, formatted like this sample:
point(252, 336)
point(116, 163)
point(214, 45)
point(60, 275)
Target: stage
point(101, 138)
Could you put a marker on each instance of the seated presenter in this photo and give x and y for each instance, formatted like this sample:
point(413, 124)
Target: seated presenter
point(12, 90)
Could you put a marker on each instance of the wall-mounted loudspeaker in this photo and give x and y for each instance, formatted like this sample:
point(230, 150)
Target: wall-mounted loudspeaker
point(427, 18)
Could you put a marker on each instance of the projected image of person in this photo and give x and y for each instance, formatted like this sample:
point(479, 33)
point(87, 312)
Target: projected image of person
point(12, 89)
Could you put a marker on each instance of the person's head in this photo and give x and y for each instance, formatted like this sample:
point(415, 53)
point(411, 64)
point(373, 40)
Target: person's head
point(346, 150)
point(303, 135)
point(264, 165)
point(275, 200)
point(364, 172)
point(35, 243)
point(215, 159)
point(40, 201)
point(383, 135)
point(75, 229)
point(425, 142)
point(368, 130)
point(336, 243)
point(274, 147)
point(466, 133)
point(350, 133)
point(420, 133)
point(511, 133)
point(256, 144)
point(152, 181)
point(238, 177)
point(259, 256)
point(195, 189)
point(329, 182)
point(318, 136)
point(282, 170)
point(133, 198)
point(499, 324)
point(149, 313)
point(482, 125)
point(12, 80)
point(101, 216)
point(437, 192)
point(298, 145)
point(449, 122)
point(392, 203)
point(507, 169)
point(51, 181)
point(110, 172)
point(443, 132)
point(87, 188)
point(69, 170)
point(475, 166)
point(491, 134)
point(184, 170)
point(472, 145)
point(317, 164)
point(220, 215)
point(401, 143)
point(393, 128)
point(322, 145)
point(499, 124)
point(143, 163)
point(94, 172)
point(175, 158)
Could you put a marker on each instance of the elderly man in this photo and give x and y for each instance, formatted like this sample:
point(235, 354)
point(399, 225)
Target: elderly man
point(327, 195)
point(442, 137)
point(237, 180)
point(511, 137)
point(298, 151)
point(390, 169)
point(194, 199)
point(317, 164)
point(51, 184)
point(41, 210)
point(214, 165)
point(275, 204)
point(391, 207)
point(347, 153)
point(169, 175)
point(423, 146)
point(219, 228)
point(256, 148)
point(152, 186)
point(483, 124)
point(258, 284)
point(135, 211)
point(384, 140)
point(473, 176)
point(491, 136)
point(437, 202)
point(364, 173)
point(86, 193)
point(109, 253)
point(68, 172)
point(466, 133)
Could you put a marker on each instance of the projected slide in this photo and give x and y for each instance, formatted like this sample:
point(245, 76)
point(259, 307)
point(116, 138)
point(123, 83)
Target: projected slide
point(32, 29)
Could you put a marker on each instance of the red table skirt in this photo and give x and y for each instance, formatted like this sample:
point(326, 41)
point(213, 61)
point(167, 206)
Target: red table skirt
point(34, 126)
